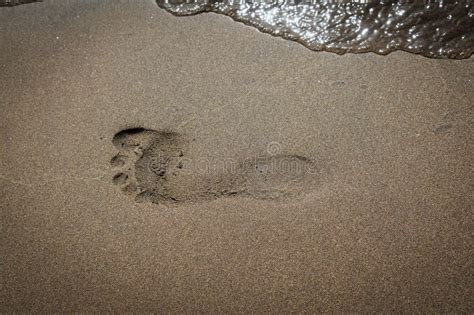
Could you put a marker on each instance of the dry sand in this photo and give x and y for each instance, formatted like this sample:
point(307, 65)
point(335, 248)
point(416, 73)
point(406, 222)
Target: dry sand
point(389, 227)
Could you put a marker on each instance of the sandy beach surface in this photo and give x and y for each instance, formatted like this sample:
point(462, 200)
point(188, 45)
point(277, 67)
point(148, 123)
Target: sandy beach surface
point(386, 227)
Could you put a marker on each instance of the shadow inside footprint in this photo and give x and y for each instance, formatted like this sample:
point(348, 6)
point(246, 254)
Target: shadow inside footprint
point(151, 167)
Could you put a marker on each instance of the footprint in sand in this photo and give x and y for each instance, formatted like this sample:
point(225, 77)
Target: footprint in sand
point(154, 167)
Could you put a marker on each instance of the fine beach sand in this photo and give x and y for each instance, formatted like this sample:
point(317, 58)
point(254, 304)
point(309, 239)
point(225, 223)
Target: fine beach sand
point(386, 225)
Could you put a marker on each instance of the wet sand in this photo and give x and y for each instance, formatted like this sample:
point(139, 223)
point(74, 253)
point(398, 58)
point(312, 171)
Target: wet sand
point(387, 229)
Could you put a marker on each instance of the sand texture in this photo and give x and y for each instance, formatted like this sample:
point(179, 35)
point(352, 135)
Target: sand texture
point(157, 163)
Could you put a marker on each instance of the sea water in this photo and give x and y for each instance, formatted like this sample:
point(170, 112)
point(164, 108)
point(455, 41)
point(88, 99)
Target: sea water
point(438, 29)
